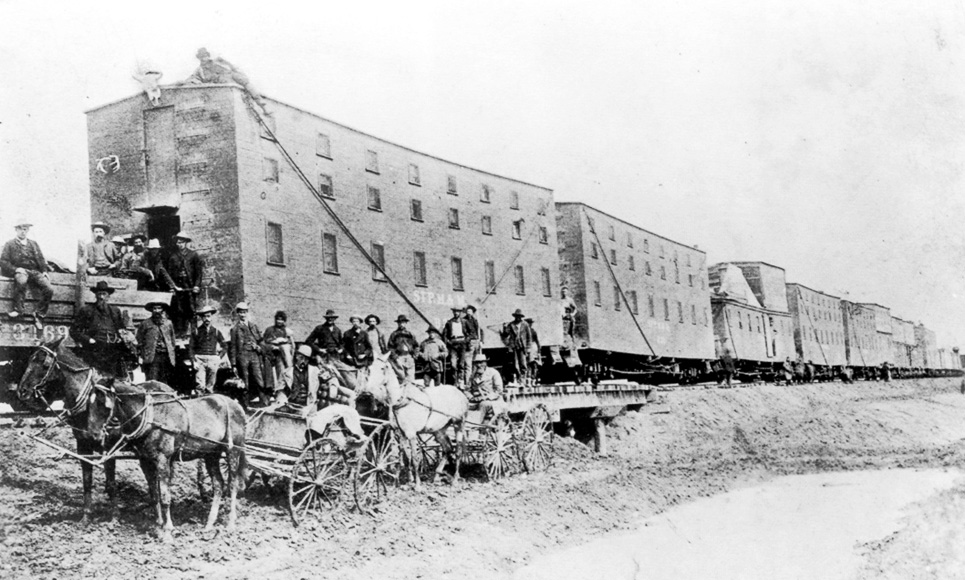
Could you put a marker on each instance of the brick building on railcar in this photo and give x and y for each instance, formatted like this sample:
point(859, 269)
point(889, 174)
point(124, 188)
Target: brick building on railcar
point(621, 275)
point(446, 233)
point(750, 313)
point(819, 334)
point(903, 341)
point(926, 347)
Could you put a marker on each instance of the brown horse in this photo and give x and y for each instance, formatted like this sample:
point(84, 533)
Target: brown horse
point(163, 429)
point(414, 410)
point(54, 373)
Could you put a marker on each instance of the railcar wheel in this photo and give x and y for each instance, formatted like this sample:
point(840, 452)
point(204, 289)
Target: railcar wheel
point(319, 480)
point(379, 468)
point(536, 439)
point(500, 454)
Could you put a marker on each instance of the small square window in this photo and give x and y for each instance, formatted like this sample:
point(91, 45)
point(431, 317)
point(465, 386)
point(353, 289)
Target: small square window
point(617, 299)
point(545, 277)
point(630, 260)
point(646, 246)
point(613, 256)
point(666, 309)
point(272, 128)
point(663, 272)
point(518, 229)
point(646, 269)
point(520, 280)
point(594, 252)
point(544, 237)
point(513, 200)
point(456, 273)
point(453, 218)
point(613, 234)
point(415, 210)
point(325, 186)
point(487, 225)
point(650, 307)
point(414, 174)
point(372, 161)
point(375, 199)
point(597, 299)
point(329, 254)
point(690, 280)
point(451, 185)
point(693, 314)
point(589, 221)
point(633, 302)
point(419, 268)
point(490, 268)
point(276, 252)
point(323, 145)
point(486, 196)
point(378, 256)
point(688, 260)
point(270, 168)
point(629, 239)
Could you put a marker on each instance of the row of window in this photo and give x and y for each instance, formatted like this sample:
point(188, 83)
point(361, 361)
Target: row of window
point(646, 243)
point(323, 148)
point(276, 256)
point(631, 299)
point(632, 265)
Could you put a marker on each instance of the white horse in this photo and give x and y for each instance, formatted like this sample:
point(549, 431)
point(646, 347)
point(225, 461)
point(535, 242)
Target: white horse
point(414, 410)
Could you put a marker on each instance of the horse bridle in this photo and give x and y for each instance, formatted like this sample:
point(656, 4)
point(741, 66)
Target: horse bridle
point(40, 387)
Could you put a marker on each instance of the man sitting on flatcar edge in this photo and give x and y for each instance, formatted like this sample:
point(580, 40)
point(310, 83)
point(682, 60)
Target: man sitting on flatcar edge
point(486, 389)
point(23, 261)
point(102, 255)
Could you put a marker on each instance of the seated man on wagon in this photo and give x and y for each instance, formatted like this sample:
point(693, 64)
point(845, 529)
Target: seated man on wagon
point(486, 389)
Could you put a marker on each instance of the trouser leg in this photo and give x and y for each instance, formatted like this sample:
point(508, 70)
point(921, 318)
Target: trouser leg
point(42, 283)
point(19, 290)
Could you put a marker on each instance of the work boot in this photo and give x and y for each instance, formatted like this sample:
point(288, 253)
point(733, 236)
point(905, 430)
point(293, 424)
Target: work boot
point(15, 313)
point(39, 321)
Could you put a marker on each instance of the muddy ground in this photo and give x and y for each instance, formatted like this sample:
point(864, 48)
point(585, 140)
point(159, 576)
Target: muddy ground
point(690, 443)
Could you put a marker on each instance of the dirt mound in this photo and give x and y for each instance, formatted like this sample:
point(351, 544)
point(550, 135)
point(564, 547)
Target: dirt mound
point(689, 443)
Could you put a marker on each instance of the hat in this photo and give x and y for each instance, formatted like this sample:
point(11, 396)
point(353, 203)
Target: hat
point(102, 225)
point(154, 244)
point(432, 329)
point(378, 320)
point(181, 236)
point(119, 240)
point(206, 308)
point(202, 53)
point(402, 318)
point(330, 314)
point(304, 350)
point(102, 286)
point(479, 358)
point(457, 309)
point(150, 305)
point(353, 318)
point(21, 222)
point(528, 319)
point(136, 236)
point(518, 313)
point(470, 307)
point(241, 306)
point(281, 314)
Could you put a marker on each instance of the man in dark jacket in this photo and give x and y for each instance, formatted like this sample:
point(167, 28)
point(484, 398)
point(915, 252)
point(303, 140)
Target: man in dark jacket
point(186, 269)
point(326, 339)
point(99, 331)
point(102, 255)
point(358, 349)
point(402, 347)
point(458, 333)
point(518, 337)
point(23, 261)
point(155, 342)
point(244, 352)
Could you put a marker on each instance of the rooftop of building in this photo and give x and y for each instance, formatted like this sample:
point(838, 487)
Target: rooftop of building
point(813, 290)
point(634, 226)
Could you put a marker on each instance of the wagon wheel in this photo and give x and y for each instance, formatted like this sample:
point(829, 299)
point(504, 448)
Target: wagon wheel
point(319, 479)
point(499, 448)
point(430, 453)
point(379, 468)
point(536, 439)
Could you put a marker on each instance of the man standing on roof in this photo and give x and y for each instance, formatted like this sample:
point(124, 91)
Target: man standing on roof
point(186, 269)
point(402, 347)
point(457, 333)
point(23, 261)
point(208, 348)
point(519, 338)
point(219, 71)
point(244, 352)
point(155, 342)
point(102, 255)
point(99, 330)
point(568, 312)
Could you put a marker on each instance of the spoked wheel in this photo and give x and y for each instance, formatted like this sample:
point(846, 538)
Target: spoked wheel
point(536, 439)
point(379, 469)
point(319, 480)
point(499, 448)
point(430, 453)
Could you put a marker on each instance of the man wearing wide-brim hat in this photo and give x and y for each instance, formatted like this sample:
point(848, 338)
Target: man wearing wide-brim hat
point(486, 388)
point(245, 349)
point(186, 270)
point(458, 333)
point(155, 341)
point(101, 331)
point(518, 337)
point(23, 261)
point(208, 348)
point(403, 347)
point(103, 257)
point(135, 263)
point(326, 338)
point(433, 354)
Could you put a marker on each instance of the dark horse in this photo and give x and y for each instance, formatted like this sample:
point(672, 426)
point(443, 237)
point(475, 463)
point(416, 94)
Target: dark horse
point(54, 373)
point(163, 429)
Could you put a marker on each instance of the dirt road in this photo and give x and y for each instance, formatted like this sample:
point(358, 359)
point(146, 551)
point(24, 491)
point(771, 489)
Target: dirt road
point(691, 443)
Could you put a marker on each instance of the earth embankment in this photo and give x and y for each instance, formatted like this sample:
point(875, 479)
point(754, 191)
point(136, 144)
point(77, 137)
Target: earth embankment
point(689, 443)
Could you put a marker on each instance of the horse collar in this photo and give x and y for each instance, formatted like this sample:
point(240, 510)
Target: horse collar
point(85, 392)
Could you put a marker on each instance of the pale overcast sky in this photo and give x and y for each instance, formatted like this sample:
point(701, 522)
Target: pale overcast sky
point(826, 137)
